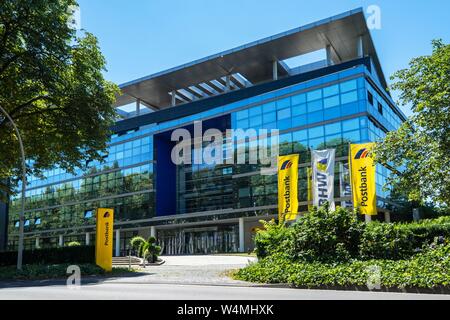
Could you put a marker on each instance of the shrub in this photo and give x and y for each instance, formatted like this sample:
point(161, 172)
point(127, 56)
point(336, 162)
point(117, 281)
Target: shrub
point(401, 240)
point(53, 271)
point(146, 249)
point(324, 235)
point(386, 241)
point(74, 255)
point(425, 232)
point(428, 269)
point(74, 244)
point(273, 238)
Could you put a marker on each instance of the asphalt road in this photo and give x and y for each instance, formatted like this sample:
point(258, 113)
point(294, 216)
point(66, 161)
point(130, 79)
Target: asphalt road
point(139, 291)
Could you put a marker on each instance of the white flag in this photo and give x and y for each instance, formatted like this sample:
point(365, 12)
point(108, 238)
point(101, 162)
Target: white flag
point(344, 184)
point(323, 177)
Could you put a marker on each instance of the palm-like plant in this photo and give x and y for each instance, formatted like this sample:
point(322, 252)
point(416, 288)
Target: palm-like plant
point(146, 249)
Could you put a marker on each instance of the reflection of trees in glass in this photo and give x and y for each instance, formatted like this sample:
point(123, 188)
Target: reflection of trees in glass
point(96, 186)
point(341, 146)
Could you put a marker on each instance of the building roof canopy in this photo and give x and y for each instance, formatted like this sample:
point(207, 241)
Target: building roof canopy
point(254, 61)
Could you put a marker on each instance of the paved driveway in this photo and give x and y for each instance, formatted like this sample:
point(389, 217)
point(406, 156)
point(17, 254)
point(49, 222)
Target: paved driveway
point(207, 270)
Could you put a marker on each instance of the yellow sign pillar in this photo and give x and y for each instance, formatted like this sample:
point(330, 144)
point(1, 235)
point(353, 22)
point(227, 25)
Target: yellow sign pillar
point(104, 238)
point(288, 187)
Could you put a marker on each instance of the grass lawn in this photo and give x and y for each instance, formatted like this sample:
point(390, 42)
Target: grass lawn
point(55, 271)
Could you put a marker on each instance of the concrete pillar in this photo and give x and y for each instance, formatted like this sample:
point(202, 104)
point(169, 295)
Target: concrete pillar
point(360, 47)
point(153, 231)
point(88, 238)
point(174, 101)
point(275, 70)
point(61, 240)
point(37, 245)
point(241, 235)
point(368, 218)
point(329, 59)
point(117, 243)
point(138, 106)
point(387, 217)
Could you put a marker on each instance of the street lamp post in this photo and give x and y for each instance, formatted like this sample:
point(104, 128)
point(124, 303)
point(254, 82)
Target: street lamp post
point(24, 181)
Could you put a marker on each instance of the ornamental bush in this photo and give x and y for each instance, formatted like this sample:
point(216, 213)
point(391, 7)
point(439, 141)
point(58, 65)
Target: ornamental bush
point(429, 269)
point(324, 235)
point(74, 244)
point(402, 240)
point(272, 239)
point(386, 241)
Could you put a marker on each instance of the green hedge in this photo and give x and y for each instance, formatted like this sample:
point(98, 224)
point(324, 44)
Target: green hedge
point(323, 235)
point(327, 236)
point(81, 254)
point(54, 271)
point(402, 240)
point(429, 269)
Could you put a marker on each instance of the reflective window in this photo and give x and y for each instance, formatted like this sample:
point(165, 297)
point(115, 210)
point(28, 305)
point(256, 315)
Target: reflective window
point(283, 103)
point(331, 91)
point(298, 99)
point(314, 117)
point(349, 97)
point(353, 136)
point(351, 124)
point(331, 102)
point(315, 132)
point(255, 111)
point(315, 106)
point(300, 135)
point(284, 113)
point(269, 117)
point(299, 109)
point(299, 121)
point(349, 85)
point(314, 95)
point(333, 128)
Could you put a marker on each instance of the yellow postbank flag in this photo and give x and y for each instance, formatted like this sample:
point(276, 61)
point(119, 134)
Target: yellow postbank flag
point(104, 238)
point(288, 187)
point(362, 174)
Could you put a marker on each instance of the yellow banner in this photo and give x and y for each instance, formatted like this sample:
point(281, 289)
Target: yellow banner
point(288, 187)
point(104, 238)
point(362, 174)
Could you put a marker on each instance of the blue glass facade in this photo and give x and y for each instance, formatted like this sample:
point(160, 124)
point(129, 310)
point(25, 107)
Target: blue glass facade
point(136, 179)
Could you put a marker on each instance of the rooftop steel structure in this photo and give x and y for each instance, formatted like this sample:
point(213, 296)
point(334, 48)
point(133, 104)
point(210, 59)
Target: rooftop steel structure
point(344, 37)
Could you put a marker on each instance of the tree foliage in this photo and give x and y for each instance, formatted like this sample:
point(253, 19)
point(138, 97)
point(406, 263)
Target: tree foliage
point(51, 83)
point(420, 147)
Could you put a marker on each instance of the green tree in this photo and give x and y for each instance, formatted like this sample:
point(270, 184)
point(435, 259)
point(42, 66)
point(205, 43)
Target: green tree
point(420, 147)
point(51, 84)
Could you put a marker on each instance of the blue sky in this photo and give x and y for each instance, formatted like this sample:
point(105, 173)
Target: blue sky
point(141, 37)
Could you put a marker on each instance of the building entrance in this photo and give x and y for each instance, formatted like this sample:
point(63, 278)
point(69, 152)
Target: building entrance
point(203, 240)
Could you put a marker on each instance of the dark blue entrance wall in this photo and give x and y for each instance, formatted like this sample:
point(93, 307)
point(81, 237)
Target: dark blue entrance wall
point(166, 180)
point(165, 176)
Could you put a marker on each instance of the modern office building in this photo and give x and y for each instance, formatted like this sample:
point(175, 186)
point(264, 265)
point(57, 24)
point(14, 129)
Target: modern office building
point(204, 208)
